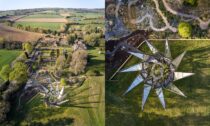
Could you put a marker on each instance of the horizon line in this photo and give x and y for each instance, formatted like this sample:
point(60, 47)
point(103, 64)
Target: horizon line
point(48, 8)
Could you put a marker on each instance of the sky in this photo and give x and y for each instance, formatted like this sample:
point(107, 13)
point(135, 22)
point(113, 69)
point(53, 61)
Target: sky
point(26, 4)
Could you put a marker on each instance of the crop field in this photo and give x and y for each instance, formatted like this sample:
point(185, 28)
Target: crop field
point(7, 56)
point(13, 34)
point(43, 25)
point(45, 20)
point(44, 15)
point(49, 20)
point(88, 108)
point(191, 111)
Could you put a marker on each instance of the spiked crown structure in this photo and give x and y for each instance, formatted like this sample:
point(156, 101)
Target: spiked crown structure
point(157, 71)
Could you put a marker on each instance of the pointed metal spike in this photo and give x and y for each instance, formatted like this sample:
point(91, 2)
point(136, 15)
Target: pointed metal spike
point(180, 75)
point(62, 102)
point(152, 48)
point(174, 89)
point(146, 92)
point(160, 95)
point(136, 67)
point(139, 55)
point(136, 82)
point(167, 50)
point(61, 93)
point(178, 59)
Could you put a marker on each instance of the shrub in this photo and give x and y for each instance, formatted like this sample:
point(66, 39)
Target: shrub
point(5, 71)
point(184, 29)
point(28, 47)
point(19, 74)
point(79, 61)
point(1, 42)
point(63, 82)
point(190, 2)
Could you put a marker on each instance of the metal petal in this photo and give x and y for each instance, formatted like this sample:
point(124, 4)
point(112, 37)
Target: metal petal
point(180, 75)
point(136, 67)
point(174, 89)
point(178, 59)
point(167, 50)
point(160, 95)
point(146, 92)
point(61, 93)
point(136, 82)
point(152, 48)
point(139, 55)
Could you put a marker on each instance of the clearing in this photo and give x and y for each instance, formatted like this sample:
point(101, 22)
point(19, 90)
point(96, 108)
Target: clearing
point(7, 56)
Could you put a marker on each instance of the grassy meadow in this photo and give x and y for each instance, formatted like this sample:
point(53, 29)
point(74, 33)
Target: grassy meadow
point(191, 111)
point(7, 56)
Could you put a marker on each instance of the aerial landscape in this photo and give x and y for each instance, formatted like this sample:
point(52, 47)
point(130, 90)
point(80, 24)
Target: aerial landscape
point(157, 62)
point(52, 67)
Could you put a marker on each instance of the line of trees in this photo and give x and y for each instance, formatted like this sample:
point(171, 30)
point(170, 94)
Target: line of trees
point(9, 45)
point(14, 78)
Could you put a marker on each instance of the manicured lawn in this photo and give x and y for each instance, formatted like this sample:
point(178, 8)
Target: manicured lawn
point(191, 111)
point(7, 56)
point(43, 25)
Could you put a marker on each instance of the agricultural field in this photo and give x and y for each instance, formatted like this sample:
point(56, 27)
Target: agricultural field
point(191, 111)
point(7, 56)
point(17, 35)
point(45, 20)
point(43, 25)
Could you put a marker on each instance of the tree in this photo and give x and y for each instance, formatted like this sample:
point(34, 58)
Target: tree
point(184, 29)
point(28, 47)
point(92, 39)
point(191, 2)
point(1, 42)
point(71, 38)
point(5, 71)
point(63, 82)
point(60, 62)
point(19, 74)
point(4, 109)
point(79, 61)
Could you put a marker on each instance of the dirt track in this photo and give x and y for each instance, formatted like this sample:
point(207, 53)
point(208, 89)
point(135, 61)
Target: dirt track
point(13, 34)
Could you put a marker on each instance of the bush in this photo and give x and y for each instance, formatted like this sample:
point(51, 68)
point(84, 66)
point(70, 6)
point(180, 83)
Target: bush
point(5, 71)
point(184, 29)
point(79, 61)
point(63, 82)
point(4, 109)
point(1, 43)
point(190, 2)
point(93, 73)
point(19, 74)
point(28, 47)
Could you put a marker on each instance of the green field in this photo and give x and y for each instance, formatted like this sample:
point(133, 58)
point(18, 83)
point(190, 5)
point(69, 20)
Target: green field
point(44, 15)
point(88, 109)
point(7, 56)
point(43, 25)
point(191, 111)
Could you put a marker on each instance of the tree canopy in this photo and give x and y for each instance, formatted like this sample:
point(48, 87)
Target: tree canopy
point(19, 74)
point(5, 71)
point(28, 47)
point(184, 29)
